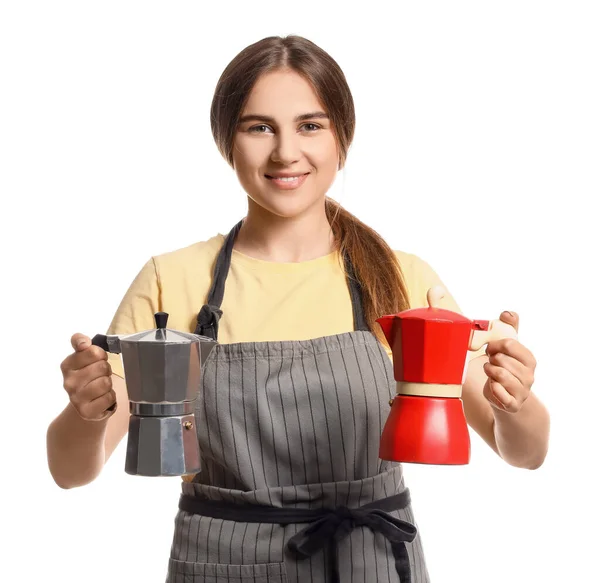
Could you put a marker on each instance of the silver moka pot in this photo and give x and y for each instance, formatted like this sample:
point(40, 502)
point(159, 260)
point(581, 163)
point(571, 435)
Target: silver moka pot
point(163, 372)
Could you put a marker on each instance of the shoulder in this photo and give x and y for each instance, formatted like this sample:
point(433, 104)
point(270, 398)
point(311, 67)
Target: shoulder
point(419, 276)
point(197, 256)
point(413, 267)
point(201, 249)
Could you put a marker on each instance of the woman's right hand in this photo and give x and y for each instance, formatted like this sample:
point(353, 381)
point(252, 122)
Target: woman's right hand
point(88, 381)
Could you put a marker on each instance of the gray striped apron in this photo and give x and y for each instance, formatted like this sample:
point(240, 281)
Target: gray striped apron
point(292, 489)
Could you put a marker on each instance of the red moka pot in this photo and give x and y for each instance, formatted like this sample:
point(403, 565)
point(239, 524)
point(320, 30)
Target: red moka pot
point(430, 347)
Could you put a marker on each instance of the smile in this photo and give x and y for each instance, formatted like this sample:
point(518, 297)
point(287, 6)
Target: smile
point(287, 182)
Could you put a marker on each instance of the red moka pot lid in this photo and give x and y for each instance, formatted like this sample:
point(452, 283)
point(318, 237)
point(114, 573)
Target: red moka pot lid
point(441, 315)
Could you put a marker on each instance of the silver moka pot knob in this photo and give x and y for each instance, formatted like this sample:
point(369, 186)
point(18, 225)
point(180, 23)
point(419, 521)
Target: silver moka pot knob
point(163, 373)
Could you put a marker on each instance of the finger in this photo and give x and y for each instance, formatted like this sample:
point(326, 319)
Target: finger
point(505, 386)
point(503, 397)
point(523, 373)
point(511, 318)
point(499, 374)
point(98, 408)
point(76, 380)
point(106, 400)
point(512, 347)
point(489, 394)
point(96, 370)
point(80, 342)
point(92, 390)
point(79, 360)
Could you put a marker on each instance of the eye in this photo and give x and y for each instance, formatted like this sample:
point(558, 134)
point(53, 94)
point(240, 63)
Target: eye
point(312, 125)
point(256, 129)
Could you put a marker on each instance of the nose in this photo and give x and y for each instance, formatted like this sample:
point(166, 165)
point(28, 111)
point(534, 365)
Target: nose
point(286, 149)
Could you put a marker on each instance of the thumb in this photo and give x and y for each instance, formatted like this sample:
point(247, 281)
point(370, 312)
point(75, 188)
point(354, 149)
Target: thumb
point(80, 342)
point(511, 318)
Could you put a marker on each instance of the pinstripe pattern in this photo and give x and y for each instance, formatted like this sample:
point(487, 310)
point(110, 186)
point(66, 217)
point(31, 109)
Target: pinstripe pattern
point(294, 424)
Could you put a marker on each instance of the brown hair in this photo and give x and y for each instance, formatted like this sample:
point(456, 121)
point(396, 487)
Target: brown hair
point(375, 264)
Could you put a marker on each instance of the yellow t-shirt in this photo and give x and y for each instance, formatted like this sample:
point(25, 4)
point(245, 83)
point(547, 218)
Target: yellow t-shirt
point(263, 300)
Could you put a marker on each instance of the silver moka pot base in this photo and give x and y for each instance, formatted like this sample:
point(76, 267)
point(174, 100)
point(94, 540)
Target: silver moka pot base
point(162, 446)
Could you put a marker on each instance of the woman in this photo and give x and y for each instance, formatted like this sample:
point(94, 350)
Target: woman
point(295, 394)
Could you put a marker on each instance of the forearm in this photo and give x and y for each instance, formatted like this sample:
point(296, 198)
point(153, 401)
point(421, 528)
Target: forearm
point(75, 449)
point(522, 438)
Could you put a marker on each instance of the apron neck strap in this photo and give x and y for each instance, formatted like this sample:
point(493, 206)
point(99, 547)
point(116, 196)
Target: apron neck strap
point(211, 312)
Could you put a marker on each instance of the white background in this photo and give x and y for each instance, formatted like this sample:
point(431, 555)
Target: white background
point(477, 148)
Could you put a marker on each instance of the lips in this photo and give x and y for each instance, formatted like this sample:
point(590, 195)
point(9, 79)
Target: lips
point(287, 181)
point(285, 175)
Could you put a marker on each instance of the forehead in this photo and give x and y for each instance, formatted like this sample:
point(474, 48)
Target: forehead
point(282, 94)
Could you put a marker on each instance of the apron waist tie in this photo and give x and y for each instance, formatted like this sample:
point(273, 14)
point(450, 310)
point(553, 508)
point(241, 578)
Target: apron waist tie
point(327, 526)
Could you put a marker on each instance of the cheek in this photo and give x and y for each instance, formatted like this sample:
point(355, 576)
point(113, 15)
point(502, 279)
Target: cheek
point(325, 156)
point(248, 157)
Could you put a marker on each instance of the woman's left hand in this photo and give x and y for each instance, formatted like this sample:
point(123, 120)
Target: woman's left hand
point(510, 370)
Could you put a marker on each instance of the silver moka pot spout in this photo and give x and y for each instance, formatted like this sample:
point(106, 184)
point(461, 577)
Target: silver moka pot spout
point(163, 373)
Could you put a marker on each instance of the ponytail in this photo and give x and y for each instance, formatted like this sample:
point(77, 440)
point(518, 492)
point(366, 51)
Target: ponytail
point(375, 265)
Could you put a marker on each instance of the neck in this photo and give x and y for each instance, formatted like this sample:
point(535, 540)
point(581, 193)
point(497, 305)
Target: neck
point(266, 236)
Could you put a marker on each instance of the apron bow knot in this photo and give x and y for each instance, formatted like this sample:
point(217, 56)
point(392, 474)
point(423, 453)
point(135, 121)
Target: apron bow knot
point(337, 523)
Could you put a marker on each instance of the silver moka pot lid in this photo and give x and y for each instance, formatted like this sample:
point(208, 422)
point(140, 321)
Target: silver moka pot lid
point(159, 335)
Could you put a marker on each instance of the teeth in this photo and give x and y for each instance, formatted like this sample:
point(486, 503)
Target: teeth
point(289, 179)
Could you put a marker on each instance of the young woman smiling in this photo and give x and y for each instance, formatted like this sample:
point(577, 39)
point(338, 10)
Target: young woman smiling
point(295, 394)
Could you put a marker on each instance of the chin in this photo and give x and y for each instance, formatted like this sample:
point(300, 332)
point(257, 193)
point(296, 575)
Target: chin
point(287, 208)
point(286, 211)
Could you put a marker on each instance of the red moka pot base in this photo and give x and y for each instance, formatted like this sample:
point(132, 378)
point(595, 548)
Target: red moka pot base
point(426, 430)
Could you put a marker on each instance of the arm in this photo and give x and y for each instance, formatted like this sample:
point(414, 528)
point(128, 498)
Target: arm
point(518, 430)
point(78, 449)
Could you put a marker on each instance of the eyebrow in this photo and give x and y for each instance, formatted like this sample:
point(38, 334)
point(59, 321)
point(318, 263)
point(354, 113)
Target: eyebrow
point(269, 119)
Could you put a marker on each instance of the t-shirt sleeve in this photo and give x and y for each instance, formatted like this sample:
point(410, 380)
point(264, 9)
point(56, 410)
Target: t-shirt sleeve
point(136, 310)
point(419, 278)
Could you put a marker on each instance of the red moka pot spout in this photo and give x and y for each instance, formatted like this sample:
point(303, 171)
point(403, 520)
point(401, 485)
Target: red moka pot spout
point(430, 348)
point(387, 325)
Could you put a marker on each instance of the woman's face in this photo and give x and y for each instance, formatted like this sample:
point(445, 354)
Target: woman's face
point(284, 131)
